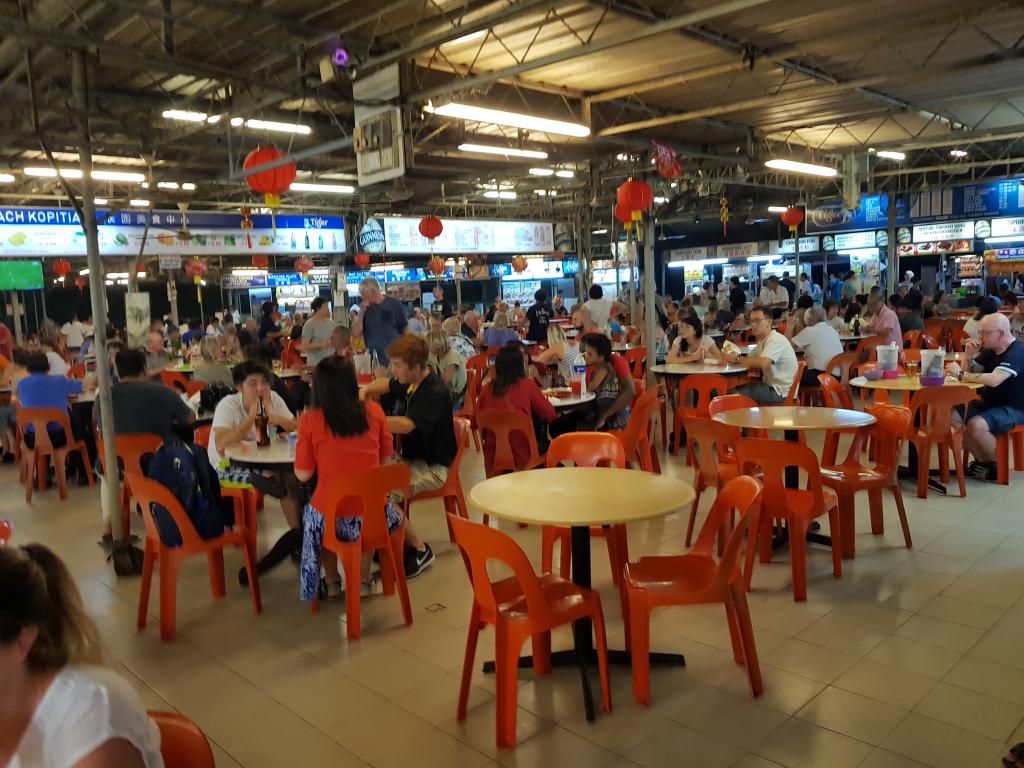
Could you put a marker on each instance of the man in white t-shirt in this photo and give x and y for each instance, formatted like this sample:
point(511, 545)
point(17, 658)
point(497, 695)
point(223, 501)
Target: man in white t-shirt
point(819, 342)
point(774, 297)
point(773, 356)
point(75, 333)
point(600, 308)
point(234, 420)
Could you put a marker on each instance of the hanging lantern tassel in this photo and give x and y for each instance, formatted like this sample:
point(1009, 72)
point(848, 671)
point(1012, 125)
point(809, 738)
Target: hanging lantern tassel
point(723, 215)
point(247, 225)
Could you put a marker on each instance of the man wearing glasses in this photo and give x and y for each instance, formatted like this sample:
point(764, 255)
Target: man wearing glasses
point(773, 357)
point(997, 362)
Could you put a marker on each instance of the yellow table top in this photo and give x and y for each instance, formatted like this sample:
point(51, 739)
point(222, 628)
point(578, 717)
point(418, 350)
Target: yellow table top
point(579, 496)
point(907, 383)
point(794, 417)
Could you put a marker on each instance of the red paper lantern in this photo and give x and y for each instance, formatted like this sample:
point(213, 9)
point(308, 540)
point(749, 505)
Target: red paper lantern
point(436, 266)
point(636, 196)
point(362, 260)
point(519, 263)
point(431, 228)
point(196, 267)
point(303, 264)
point(792, 217)
point(61, 267)
point(623, 214)
point(270, 183)
point(81, 283)
point(260, 261)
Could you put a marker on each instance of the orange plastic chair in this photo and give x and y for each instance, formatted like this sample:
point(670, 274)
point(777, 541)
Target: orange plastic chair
point(912, 340)
point(636, 438)
point(866, 347)
point(794, 388)
point(503, 424)
point(798, 507)
point(479, 363)
point(936, 329)
point(363, 494)
point(932, 426)
point(468, 410)
point(846, 479)
point(637, 359)
point(245, 499)
point(148, 493)
point(77, 371)
point(130, 449)
point(1016, 436)
point(704, 387)
point(714, 460)
point(34, 461)
point(585, 449)
point(833, 395)
point(695, 579)
point(182, 743)
point(928, 342)
point(520, 606)
point(290, 357)
point(957, 338)
point(451, 491)
point(174, 380)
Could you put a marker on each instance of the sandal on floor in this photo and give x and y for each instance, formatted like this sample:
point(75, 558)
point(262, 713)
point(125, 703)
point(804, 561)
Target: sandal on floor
point(1015, 758)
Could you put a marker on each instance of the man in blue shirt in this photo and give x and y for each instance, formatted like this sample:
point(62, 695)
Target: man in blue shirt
point(381, 320)
point(41, 390)
point(995, 360)
point(194, 334)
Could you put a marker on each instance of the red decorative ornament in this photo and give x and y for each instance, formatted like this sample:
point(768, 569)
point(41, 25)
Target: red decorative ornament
point(273, 182)
point(624, 215)
point(792, 217)
point(362, 260)
point(431, 228)
point(260, 261)
point(519, 263)
point(665, 160)
point(197, 268)
point(302, 265)
point(247, 225)
point(636, 196)
point(61, 267)
point(436, 266)
point(81, 283)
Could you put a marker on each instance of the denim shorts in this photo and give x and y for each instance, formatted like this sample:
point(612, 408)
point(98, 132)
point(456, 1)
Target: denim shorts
point(1000, 418)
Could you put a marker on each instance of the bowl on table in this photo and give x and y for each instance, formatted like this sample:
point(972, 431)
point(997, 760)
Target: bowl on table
point(933, 381)
point(873, 375)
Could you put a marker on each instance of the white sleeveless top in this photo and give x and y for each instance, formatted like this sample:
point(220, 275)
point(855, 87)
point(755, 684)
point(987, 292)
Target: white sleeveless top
point(84, 708)
point(572, 355)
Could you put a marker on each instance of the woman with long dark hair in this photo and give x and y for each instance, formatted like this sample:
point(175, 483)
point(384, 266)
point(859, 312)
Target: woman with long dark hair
point(512, 390)
point(609, 378)
point(339, 434)
point(61, 706)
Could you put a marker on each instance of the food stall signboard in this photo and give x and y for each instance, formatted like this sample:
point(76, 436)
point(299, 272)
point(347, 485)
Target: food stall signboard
point(1007, 227)
point(401, 235)
point(687, 254)
point(950, 230)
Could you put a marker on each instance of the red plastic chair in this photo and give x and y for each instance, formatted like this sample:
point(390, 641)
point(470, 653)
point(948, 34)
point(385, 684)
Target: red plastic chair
point(290, 357)
point(798, 507)
point(34, 461)
point(912, 340)
point(704, 388)
point(851, 476)
point(585, 449)
point(364, 493)
point(937, 330)
point(833, 395)
point(714, 460)
point(1016, 436)
point(77, 371)
point(130, 449)
point(637, 359)
point(695, 579)
point(182, 742)
point(245, 499)
point(468, 410)
point(866, 347)
point(520, 606)
point(174, 380)
point(451, 491)
point(794, 388)
point(148, 493)
point(724, 403)
point(636, 438)
point(932, 426)
point(503, 424)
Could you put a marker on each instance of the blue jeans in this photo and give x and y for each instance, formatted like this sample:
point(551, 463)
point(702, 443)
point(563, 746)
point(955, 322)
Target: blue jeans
point(1000, 418)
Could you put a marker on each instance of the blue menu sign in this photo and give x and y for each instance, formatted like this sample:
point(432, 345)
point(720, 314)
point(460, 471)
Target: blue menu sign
point(873, 213)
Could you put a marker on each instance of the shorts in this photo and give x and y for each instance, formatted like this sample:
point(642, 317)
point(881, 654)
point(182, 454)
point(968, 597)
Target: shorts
point(1000, 418)
point(233, 474)
point(7, 417)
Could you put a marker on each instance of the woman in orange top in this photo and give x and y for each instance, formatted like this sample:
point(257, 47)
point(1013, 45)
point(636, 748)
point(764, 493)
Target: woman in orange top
point(338, 434)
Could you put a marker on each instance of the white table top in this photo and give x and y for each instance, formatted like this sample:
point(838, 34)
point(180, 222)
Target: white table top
point(85, 397)
point(794, 418)
point(278, 452)
point(689, 369)
point(568, 401)
point(580, 496)
point(288, 373)
point(625, 347)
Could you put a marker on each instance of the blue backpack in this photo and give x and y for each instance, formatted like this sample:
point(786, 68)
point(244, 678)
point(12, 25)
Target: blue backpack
point(185, 470)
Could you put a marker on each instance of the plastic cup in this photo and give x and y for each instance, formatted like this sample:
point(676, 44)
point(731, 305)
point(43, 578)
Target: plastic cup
point(576, 385)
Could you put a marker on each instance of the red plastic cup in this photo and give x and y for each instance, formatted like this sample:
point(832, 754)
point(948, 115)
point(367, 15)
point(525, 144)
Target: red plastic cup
point(576, 385)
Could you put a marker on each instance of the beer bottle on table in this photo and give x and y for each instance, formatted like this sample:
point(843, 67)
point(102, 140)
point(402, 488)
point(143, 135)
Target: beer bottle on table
point(262, 425)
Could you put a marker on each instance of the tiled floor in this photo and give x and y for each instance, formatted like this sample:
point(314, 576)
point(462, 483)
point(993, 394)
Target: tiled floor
point(912, 658)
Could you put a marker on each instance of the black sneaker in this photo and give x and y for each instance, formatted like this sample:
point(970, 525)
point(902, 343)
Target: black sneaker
point(976, 468)
point(417, 561)
point(8, 458)
point(991, 473)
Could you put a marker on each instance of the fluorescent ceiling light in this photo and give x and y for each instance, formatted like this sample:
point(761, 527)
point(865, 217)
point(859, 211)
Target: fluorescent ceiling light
point(184, 115)
point(99, 201)
point(565, 173)
point(543, 193)
point(467, 38)
point(957, 153)
point(485, 149)
point(271, 125)
point(777, 209)
point(75, 173)
point(188, 186)
point(495, 194)
point(890, 155)
point(760, 258)
point(622, 156)
point(236, 122)
point(676, 264)
point(84, 271)
point(599, 232)
point(541, 172)
point(661, 200)
point(340, 189)
point(248, 272)
point(168, 184)
point(6, 178)
point(1005, 239)
point(512, 119)
point(780, 164)
point(139, 203)
point(145, 185)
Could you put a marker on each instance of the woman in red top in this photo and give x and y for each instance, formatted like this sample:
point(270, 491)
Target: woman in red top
point(511, 390)
point(338, 434)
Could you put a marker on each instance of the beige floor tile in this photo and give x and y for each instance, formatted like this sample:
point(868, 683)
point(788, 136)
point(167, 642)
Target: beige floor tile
point(988, 677)
point(885, 683)
point(985, 715)
point(940, 745)
point(876, 616)
point(967, 612)
point(913, 656)
point(799, 744)
point(945, 634)
point(967, 545)
point(783, 690)
point(754, 761)
point(882, 758)
point(479, 728)
point(810, 660)
point(838, 635)
point(557, 746)
point(720, 713)
point(666, 748)
point(852, 715)
point(627, 726)
point(999, 589)
point(1001, 644)
point(438, 747)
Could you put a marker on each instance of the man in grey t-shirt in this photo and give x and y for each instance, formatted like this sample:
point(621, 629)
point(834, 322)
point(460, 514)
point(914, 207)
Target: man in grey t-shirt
point(316, 332)
point(381, 319)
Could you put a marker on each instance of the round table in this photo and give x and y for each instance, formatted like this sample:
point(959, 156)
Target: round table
point(626, 347)
point(184, 370)
point(693, 369)
point(849, 338)
point(580, 497)
point(907, 383)
point(794, 418)
point(570, 400)
point(288, 373)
